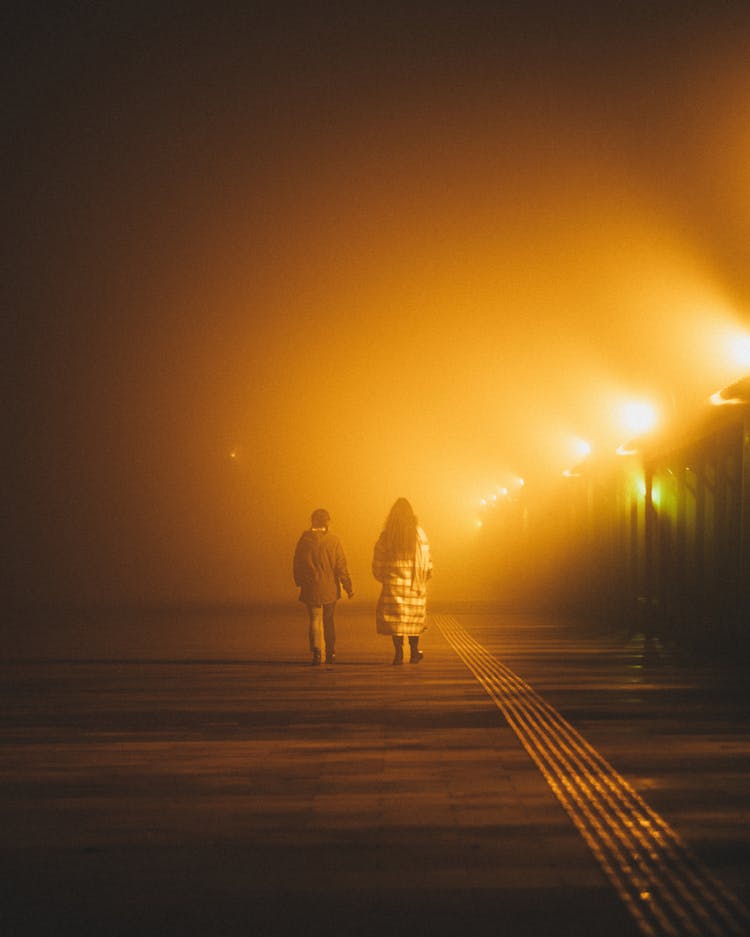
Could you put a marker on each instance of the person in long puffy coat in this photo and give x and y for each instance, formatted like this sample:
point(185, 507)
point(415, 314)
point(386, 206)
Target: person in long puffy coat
point(402, 563)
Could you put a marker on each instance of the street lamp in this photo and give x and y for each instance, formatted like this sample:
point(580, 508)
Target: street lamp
point(638, 417)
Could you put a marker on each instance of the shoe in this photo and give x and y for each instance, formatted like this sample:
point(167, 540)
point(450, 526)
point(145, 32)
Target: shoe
point(416, 658)
point(316, 659)
point(330, 658)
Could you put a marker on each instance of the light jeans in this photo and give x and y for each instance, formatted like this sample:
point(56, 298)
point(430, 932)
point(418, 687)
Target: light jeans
point(322, 631)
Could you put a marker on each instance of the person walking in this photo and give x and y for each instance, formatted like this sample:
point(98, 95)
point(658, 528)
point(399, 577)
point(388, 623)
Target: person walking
point(320, 570)
point(402, 563)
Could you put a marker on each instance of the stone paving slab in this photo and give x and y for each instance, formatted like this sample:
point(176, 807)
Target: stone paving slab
point(191, 774)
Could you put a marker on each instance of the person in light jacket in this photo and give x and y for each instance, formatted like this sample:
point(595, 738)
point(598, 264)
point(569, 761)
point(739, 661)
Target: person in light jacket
point(402, 563)
point(320, 570)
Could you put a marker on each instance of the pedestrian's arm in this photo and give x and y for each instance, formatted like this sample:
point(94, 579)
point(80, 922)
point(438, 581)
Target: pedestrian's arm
point(299, 566)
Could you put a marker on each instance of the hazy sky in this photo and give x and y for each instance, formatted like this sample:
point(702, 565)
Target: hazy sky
point(268, 257)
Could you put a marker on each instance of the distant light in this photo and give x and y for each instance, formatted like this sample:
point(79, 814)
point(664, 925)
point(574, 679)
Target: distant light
point(626, 449)
point(233, 454)
point(638, 417)
point(479, 523)
point(740, 350)
point(571, 473)
point(503, 492)
point(521, 482)
point(581, 448)
point(484, 502)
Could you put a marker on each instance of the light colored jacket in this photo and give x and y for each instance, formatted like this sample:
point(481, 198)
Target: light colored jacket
point(402, 605)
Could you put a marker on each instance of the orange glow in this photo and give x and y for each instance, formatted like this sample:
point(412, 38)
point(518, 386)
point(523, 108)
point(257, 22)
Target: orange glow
point(581, 448)
point(350, 275)
point(638, 417)
point(626, 449)
point(740, 351)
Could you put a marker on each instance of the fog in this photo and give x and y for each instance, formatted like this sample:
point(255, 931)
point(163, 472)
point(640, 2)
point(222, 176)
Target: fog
point(270, 261)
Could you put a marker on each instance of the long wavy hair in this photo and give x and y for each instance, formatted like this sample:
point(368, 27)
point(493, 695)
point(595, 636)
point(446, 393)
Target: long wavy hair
point(400, 530)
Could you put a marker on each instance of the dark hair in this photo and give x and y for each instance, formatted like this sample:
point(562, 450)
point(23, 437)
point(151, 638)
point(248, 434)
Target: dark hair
point(401, 530)
point(320, 518)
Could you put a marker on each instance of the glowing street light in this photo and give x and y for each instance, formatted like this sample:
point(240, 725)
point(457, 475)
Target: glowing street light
point(581, 449)
point(740, 350)
point(638, 417)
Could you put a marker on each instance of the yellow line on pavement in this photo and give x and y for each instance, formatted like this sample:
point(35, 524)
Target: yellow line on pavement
point(667, 890)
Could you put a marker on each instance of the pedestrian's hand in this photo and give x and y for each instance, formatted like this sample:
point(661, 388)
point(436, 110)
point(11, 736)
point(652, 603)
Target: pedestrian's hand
point(350, 594)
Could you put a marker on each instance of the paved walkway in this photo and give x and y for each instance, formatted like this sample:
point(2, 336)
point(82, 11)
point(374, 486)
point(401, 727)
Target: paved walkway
point(192, 774)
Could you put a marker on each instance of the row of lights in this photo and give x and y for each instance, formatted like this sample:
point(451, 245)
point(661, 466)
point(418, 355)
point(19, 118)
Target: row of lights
point(503, 495)
point(638, 418)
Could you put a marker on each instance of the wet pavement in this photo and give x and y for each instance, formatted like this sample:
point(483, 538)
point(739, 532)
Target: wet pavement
point(186, 773)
